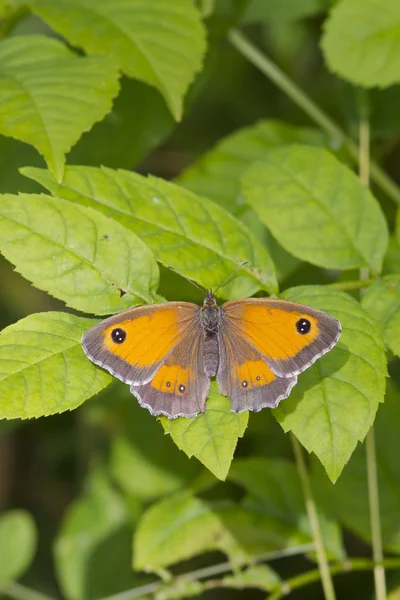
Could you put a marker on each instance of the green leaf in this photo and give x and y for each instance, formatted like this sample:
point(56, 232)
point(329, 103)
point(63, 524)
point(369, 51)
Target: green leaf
point(382, 301)
point(335, 401)
point(211, 436)
point(174, 529)
point(317, 208)
point(76, 254)
point(258, 576)
point(274, 491)
point(362, 41)
point(344, 500)
point(49, 96)
point(281, 10)
point(161, 42)
point(17, 544)
point(217, 173)
point(391, 262)
point(89, 522)
point(185, 231)
point(43, 369)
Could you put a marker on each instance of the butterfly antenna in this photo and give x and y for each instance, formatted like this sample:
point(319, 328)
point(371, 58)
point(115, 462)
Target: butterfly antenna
point(187, 279)
point(230, 276)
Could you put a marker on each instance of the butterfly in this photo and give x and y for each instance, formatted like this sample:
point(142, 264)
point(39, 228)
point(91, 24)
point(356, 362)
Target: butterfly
point(168, 352)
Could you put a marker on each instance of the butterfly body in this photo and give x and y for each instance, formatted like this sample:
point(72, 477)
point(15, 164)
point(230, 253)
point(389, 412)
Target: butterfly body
point(168, 352)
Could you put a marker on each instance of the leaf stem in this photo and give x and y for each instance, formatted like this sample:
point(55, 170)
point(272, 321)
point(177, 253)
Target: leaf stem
point(21, 592)
point(351, 285)
point(372, 476)
point(218, 569)
point(298, 96)
point(327, 584)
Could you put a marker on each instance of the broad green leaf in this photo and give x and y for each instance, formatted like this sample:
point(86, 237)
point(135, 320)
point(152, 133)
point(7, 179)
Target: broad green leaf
point(281, 10)
point(362, 41)
point(160, 42)
point(317, 208)
point(257, 576)
point(91, 521)
point(217, 173)
point(345, 501)
point(49, 96)
point(76, 254)
point(382, 301)
point(211, 436)
point(144, 461)
point(182, 526)
point(185, 231)
point(335, 401)
point(274, 491)
point(174, 529)
point(43, 369)
point(17, 544)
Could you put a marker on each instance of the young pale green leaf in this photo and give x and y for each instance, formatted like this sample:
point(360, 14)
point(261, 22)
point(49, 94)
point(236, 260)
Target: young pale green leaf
point(281, 10)
point(17, 544)
point(317, 208)
point(343, 501)
point(43, 369)
point(89, 522)
point(382, 301)
point(211, 436)
point(76, 254)
point(258, 576)
point(174, 529)
point(274, 491)
point(185, 231)
point(362, 41)
point(335, 401)
point(49, 96)
point(160, 42)
point(217, 173)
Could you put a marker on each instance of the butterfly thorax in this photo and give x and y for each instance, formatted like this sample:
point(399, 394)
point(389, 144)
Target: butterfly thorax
point(210, 314)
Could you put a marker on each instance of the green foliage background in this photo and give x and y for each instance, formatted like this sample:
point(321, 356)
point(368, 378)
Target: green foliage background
point(198, 135)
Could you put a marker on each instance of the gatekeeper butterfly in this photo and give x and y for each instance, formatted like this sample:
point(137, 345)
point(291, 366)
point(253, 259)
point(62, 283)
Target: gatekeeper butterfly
point(167, 352)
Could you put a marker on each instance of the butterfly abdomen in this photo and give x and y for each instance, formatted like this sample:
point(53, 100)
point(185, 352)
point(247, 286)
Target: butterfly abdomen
point(211, 353)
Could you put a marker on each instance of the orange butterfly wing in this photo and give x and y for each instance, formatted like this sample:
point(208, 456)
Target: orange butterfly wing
point(244, 376)
point(287, 335)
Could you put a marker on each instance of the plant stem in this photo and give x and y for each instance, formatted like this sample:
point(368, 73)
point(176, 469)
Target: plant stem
point(218, 569)
point(351, 285)
point(20, 592)
point(298, 96)
point(372, 475)
point(326, 578)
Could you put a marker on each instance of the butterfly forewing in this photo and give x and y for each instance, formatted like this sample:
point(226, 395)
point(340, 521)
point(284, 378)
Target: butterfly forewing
point(288, 335)
point(132, 345)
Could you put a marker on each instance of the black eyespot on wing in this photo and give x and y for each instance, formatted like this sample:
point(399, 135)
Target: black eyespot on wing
point(118, 335)
point(182, 388)
point(245, 384)
point(303, 326)
point(168, 384)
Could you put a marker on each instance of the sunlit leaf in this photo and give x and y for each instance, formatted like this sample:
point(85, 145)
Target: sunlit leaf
point(317, 208)
point(211, 436)
point(49, 96)
point(185, 231)
point(382, 301)
point(335, 401)
point(43, 369)
point(76, 254)
point(160, 42)
point(362, 41)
